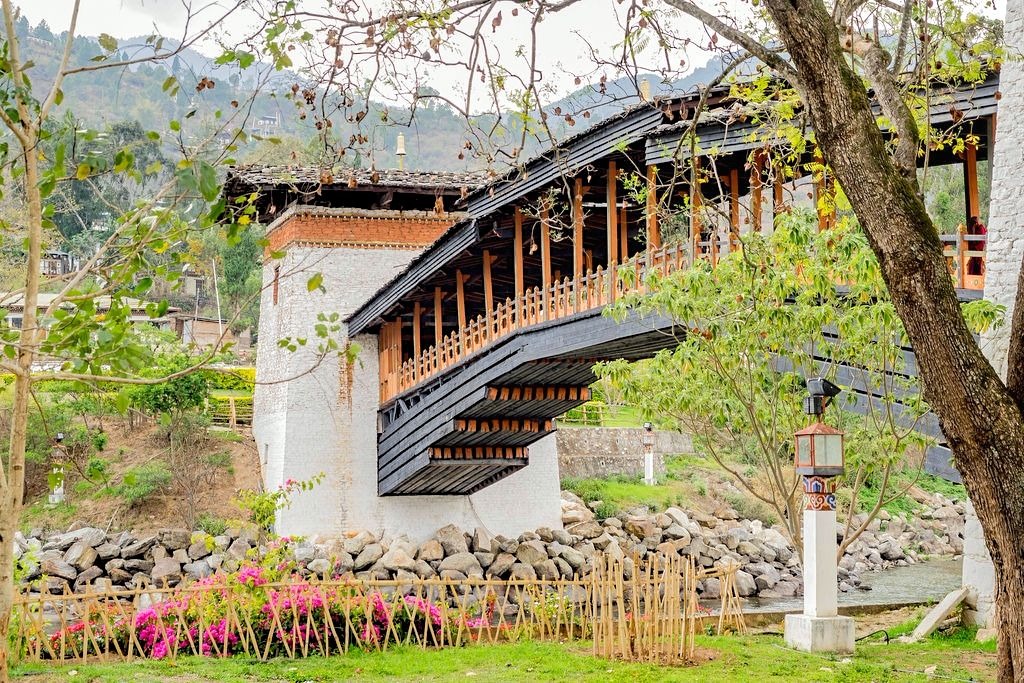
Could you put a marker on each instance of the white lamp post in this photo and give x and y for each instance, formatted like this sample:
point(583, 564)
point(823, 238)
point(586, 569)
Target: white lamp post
point(647, 439)
point(819, 459)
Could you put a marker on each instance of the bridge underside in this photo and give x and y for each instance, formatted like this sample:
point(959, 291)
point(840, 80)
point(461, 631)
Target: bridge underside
point(473, 425)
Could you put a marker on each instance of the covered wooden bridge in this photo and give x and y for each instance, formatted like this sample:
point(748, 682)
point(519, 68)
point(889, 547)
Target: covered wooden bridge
point(492, 331)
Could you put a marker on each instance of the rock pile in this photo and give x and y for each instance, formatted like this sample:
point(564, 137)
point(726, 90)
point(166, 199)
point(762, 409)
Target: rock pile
point(768, 565)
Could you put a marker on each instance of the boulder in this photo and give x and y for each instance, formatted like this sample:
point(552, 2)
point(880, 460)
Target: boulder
point(522, 572)
point(712, 589)
point(745, 584)
point(531, 552)
point(199, 569)
point(81, 556)
point(396, 559)
point(431, 551)
point(137, 548)
point(343, 562)
point(181, 556)
point(547, 570)
point(485, 559)
point(108, 551)
point(501, 565)
point(678, 533)
point(483, 542)
point(452, 540)
point(199, 549)
point(303, 552)
point(86, 577)
point(173, 539)
point(641, 527)
point(564, 569)
point(424, 570)
point(320, 566)
point(369, 555)
point(586, 529)
point(138, 566)
point(452, 575)
point(466, 563)
point(355, 544)
point(238, 549)
point(562, 536)
point(166, 570)
point(90, 536)
point(573, 557)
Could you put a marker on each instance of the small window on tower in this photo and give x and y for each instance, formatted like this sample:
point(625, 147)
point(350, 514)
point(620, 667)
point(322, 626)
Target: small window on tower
point(277, 281)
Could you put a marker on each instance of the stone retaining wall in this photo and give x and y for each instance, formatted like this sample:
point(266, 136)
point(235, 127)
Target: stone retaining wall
point(592, 452)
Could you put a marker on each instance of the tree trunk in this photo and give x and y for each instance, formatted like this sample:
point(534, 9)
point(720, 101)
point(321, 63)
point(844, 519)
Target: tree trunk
point(982, 422)
point(14, 485)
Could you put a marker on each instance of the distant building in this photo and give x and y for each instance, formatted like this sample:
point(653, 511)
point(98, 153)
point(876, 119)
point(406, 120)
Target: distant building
point(266, 125)
point(57, 263)
point(16, 310)
point(205, 332)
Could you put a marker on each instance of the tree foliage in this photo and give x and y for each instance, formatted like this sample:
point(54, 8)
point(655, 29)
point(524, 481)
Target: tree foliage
point(753, 328)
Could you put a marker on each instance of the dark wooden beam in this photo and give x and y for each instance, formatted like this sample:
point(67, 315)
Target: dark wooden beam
point(973, 202)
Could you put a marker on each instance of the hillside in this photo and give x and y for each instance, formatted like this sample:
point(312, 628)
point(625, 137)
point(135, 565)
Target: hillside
point(434, 136)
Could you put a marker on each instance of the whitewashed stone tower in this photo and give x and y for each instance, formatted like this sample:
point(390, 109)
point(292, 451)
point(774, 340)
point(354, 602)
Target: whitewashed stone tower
point(1005, 250)
point(319, 415)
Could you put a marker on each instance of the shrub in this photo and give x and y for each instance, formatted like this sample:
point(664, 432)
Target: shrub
point(211, 524)
point(231, 379)
point(262, 506)
point(604, 510)
point(141, 482)
point(99, 440)
point(96, 469)
point(751, 508)
point(219, 460)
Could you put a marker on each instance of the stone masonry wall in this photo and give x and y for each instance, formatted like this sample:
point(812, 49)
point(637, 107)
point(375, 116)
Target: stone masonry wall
point(588, 452)
point(1005, 250)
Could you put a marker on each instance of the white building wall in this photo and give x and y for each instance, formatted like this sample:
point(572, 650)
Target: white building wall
point(324, 417)
point(1005, 251)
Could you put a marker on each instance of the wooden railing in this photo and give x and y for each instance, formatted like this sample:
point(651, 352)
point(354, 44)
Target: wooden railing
point(594, 290)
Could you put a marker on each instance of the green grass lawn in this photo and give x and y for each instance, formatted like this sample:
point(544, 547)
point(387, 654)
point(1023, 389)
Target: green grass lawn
point(726, 658)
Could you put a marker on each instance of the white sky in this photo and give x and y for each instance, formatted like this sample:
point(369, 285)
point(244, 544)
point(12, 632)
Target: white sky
point(558, 50)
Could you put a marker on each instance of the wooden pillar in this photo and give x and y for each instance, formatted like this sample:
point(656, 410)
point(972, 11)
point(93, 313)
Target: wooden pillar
point(696, 200)
point(623, 233)
point(545, 256)
point(973, 200)
point(577, 229)
point(488, 288)
point(777, 197)
point(517, 256)
point(438, 318)
point(734, 200)
point(613, 216)
point(653, 232)
point(460, 297)
point(756, 185)
point(417, 341)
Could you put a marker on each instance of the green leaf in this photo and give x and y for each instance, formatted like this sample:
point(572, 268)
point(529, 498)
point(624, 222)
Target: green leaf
point(174, 125)
point(108, 42)
point(83, 171)
point(315, 282)
point(169, 83)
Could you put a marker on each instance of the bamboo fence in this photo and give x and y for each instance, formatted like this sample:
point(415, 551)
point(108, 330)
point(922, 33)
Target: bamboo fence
point(652, 614)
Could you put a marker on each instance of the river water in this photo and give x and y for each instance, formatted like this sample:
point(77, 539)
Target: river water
point(927, 581)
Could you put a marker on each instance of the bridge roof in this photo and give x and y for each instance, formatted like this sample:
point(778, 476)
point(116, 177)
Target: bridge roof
point(659, 125)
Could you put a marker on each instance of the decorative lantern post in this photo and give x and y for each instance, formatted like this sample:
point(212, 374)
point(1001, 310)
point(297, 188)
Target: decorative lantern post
point(647, 439)
point(819, 459)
